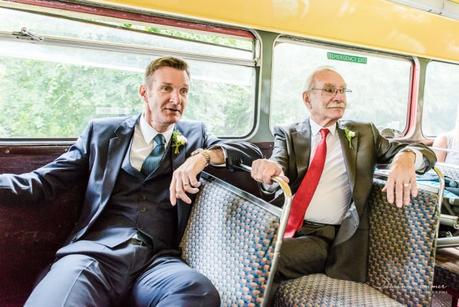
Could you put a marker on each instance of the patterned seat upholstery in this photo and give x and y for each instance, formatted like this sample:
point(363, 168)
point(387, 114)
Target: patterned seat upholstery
point(401, 260)
point(321, 290)
point(230, 238)
point(449, 170)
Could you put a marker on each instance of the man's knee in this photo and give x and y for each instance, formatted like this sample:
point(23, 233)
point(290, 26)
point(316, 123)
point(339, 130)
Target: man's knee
point(200, 285)
point(301, 256)
point(189, 288)
point(70, 281)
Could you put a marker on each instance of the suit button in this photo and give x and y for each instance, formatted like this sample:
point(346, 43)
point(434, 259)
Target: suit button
point(143, 210)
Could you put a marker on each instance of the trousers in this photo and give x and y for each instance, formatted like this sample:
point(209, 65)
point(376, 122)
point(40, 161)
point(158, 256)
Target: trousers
point(87, 273)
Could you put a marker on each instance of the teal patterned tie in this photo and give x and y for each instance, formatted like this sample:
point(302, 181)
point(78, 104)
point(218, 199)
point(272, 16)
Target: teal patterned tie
point(151, 163)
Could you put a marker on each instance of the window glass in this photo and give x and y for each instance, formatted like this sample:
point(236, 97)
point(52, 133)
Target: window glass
point(51, 89)
point(380, 85)
point(441, 98)
point(235, 47)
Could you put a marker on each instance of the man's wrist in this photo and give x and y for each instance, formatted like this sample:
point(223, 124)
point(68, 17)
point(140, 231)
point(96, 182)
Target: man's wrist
point(411, 152)
point(418, 161)
point(205, 153)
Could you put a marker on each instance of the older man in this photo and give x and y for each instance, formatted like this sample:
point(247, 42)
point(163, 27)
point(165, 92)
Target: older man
point(330, 165)
point(125, 244)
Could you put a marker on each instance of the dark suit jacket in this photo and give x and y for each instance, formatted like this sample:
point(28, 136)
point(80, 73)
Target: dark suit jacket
point(348, 255)
point(96, 158)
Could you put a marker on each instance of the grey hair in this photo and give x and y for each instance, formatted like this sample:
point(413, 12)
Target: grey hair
point(310, 79)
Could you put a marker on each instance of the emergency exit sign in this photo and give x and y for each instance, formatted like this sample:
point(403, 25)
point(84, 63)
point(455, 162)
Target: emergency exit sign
point(346, 58)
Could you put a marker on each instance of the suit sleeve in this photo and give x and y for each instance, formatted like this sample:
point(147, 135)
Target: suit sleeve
point(280, 149)
point(387, 150)
point(44, 183)
point(237, 152)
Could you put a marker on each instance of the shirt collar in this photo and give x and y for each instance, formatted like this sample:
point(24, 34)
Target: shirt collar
point(315, 128)
point(149, 133)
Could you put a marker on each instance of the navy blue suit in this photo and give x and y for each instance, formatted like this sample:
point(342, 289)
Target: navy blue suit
point(98, 266)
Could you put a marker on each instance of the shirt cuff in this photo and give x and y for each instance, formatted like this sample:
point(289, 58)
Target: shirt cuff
point(419, 163)
point(224, 155)
point(269, 188)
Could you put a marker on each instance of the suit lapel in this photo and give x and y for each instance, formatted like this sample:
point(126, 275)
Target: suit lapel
point(349, 151)
point(183, 209)
point(178, 159)
point(117, 147)
point(301, 140)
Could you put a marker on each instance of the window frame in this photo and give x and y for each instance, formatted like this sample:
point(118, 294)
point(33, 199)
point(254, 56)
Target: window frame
point(361, 51)
point(78, 13)
point(424, 134)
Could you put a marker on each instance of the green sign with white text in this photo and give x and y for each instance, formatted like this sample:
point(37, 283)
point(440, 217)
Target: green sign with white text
point(346, 58)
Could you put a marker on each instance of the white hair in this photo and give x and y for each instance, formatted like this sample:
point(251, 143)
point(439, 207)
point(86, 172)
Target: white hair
point(310, 79)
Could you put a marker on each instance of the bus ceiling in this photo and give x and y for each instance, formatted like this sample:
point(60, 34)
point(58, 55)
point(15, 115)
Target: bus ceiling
point(394, 27)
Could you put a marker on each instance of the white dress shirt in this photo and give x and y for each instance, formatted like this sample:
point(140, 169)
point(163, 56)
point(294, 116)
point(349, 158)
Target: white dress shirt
point(142, 142)
point(333, 193)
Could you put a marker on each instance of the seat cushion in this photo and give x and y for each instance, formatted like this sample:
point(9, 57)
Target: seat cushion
point(230, 238)
point(321, 290)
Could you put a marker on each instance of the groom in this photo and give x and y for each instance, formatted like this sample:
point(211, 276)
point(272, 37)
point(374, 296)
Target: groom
point(140, 172)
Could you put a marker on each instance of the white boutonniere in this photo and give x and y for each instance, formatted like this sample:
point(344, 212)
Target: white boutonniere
point(349, 135)
point(178, 140)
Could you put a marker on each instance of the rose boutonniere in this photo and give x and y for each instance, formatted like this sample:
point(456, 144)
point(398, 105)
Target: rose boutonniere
point(349, 135)
point(178, 140)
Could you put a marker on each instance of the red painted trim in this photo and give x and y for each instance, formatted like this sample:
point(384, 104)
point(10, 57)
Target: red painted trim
point(414, 91)
point(118, 13)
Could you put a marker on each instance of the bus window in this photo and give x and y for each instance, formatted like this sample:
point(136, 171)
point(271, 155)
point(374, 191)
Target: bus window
point(380, 84)
point(441, 98)
point(58, 72)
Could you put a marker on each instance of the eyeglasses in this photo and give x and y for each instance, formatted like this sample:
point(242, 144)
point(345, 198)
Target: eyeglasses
point(332, 91)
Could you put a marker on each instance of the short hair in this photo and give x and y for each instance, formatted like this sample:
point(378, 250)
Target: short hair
point(310, 79)
point(167, 61)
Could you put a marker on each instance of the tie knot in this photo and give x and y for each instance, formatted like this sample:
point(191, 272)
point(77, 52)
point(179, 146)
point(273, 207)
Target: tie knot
point(324, 132)
point(159, 139)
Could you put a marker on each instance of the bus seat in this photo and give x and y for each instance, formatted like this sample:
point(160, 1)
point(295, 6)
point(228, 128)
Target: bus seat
point(449, 170)
point(401, 259)
point(29, 239)
point(31, 235)
point(231, 238)
point(447, 272)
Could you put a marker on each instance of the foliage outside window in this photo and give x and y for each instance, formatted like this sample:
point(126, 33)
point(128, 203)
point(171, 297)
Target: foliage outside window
point(52, 90)
point(380, 84)
point(441, 98)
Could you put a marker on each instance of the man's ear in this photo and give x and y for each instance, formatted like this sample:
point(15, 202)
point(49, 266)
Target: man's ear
point(306, 100)
point(143, 92)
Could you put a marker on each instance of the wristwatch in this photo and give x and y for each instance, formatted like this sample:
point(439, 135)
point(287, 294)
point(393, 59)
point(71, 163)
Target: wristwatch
point(204, 152)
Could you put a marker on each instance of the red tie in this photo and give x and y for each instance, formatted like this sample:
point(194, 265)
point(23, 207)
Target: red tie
point(307, 188)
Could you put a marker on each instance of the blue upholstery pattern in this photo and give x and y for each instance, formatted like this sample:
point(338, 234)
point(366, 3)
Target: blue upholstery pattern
point(230, 238)
point(449, 170)
point(402, 246)
point(321, 290)
point(401, 260)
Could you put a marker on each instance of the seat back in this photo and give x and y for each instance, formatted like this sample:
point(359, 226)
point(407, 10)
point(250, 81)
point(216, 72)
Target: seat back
point(231, 238)
point(402, 245)
point(449, 170)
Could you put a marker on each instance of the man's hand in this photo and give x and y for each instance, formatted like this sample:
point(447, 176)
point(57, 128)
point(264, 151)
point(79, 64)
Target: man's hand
point(263, 170)
point(402, 179)
point(184, 179)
